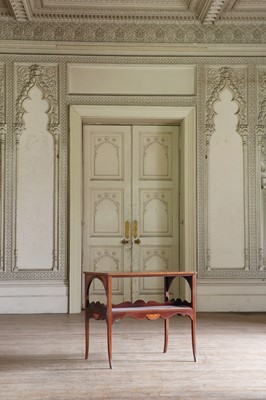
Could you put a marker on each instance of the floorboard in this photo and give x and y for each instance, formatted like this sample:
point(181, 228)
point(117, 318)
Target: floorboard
point(42, 358)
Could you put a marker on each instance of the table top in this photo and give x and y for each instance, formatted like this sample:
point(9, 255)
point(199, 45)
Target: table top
point(141, 274)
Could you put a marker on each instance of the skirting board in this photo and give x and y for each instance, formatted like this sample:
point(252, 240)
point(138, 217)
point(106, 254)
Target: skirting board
point(231, 296)
point(36, 297)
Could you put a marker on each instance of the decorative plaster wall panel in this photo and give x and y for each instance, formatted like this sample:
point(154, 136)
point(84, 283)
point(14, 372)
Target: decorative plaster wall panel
point(2, 94)
point(2, 162)
point(44, 77)
point(261, 165)
point(226, 205)
point(131, 79)
point(35, 191)
point(235, 79)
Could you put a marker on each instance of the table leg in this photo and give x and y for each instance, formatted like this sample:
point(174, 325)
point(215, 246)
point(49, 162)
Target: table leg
point(193, 330)
point(87, 332)
point(166, 331)
point(109, 340)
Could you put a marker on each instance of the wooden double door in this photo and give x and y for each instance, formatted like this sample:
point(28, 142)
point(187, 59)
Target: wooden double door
point(130, 205)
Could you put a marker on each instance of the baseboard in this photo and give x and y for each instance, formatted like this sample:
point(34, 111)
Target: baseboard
point(33, 297)
point(231, 296)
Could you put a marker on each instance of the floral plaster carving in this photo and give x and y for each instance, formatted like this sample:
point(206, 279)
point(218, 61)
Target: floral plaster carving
point(162, 197)
point(261, 95)
point(111, 253)
point(113, 197)
point(235, 79)
point(128, 31)
point(150, 141)
point(162, 253)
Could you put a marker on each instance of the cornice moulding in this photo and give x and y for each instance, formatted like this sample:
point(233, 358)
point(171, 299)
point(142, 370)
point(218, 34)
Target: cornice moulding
point(36, 47)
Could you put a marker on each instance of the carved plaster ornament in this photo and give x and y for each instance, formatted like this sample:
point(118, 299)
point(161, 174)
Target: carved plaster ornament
point(263, 175)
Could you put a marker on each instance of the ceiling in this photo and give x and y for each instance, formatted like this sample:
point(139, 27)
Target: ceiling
point(186, 11)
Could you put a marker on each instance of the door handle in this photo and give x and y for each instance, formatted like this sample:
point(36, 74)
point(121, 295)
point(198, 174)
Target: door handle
point(135, 229)
point(127, 230)
point(127, 233)
point(137, 241)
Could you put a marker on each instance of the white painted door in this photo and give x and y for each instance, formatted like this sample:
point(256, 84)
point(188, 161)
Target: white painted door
point(130, 220)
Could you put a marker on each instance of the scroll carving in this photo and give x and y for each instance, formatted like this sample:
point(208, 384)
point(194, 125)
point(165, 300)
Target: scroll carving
point(45, 77)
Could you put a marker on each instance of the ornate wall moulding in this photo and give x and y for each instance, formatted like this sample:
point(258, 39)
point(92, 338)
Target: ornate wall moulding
point(261, 85)
point(45, 77)
point(2, 94)
point(127, 31)
point(2, 162)
point(261, 165)
point(3, 131)
point(233, 78)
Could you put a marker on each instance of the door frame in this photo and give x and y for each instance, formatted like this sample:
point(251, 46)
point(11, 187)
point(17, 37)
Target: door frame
point(91, 114)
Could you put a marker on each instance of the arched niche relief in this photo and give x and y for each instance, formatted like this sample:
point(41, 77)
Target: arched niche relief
point(226, 171)
point(261, 157)
point(36, 214)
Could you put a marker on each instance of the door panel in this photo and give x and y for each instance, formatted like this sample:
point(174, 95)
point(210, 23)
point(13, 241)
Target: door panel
point(107, 202)
point(155, 185)
point(131, 205)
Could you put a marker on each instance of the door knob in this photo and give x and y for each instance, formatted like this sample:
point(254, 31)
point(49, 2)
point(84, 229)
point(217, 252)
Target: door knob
point(137, 241)
point(124, 241)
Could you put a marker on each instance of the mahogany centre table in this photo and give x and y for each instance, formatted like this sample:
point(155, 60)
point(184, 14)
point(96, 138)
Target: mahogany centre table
point(139, 309)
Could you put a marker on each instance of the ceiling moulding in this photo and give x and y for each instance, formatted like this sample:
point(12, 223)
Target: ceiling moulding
point(89, 9)
point(208, 11)
point(128, 32)
point(20, 10)
point(131, 49)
